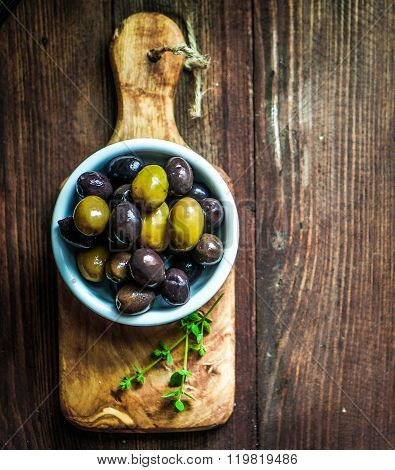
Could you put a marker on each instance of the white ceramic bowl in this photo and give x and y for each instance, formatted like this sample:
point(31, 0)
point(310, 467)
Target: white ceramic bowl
point(98, 298)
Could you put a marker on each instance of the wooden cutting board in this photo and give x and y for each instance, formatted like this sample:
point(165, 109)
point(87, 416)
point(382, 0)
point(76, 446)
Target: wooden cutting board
point(94, 353)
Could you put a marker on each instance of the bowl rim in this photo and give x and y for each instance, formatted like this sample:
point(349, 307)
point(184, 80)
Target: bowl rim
point(153, 317)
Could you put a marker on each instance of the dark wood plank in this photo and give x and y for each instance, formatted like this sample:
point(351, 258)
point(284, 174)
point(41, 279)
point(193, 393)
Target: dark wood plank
point(324, 98)
point(49, 124)
point(47, 127)
point(324, 184)
point(6, 6)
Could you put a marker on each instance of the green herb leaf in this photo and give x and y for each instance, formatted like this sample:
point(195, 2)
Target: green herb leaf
point(206, 326)
point(189, 321)
point(140, 378)
point(170, 394)
point(179, 405)
point(202, 351)
point(195, 330)
point(186, 373)
point(176, 379)
point(163, 353)
point(125, 383)
point(194, 347)
point(194, 316)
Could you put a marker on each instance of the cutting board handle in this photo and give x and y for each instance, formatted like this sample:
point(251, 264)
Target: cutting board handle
point(146, 90)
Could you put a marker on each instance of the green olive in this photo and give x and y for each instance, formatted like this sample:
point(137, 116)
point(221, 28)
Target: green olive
point(91, 263)
point(186, 221)
point(154, 229)
point(91, 215)
point(150, 187)
point(117, 266)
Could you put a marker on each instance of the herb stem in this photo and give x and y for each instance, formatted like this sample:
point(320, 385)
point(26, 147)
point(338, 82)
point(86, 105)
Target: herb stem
point(180, 340)
point(186, 351)
point(177, 343)
point(185, 360)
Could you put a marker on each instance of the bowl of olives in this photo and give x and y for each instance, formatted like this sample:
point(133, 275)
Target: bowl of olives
point(144, 232)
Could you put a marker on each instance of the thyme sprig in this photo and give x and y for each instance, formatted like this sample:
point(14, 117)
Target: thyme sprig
point(196, 324)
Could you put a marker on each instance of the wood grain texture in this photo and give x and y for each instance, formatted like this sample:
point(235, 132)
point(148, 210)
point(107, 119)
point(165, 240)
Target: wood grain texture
point(328, 67)
point(95, 354)
point(146, 90)
point(325, 167)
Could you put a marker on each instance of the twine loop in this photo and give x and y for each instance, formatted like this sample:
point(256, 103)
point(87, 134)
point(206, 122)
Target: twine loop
point(194, 62)
point(193, 58)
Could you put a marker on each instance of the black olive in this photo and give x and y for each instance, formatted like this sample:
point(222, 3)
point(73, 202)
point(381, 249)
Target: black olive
point(213, 213)
point(175, 288)
point(199, 191)
point(147, 267)
point(125, 224)
point(93, 183)
point(180, 175)
point(188, 265)
point(72, 235)
point(209, 250)
point(132, 299)
point(123, 170)
point(121, 194)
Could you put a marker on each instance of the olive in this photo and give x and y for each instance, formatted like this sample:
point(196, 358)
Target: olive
point(154, 229)
point(72, 235)
point(117, 266)
point(125, 224)
point(180, 175)
point(91, 215)
point(91, 263)
point(147, 268)
point(149, 188)
point(213, 213)
point(115, 245)
point(121, 194)
point(186, 222)
point(199, 191)
point(132, 299)
point(188, 265)
point(123, 170)
point(175, 288)
point(93, 183)
point(209, 250)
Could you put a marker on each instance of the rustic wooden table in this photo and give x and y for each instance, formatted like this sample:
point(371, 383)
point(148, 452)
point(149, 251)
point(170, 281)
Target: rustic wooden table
point(298, 111)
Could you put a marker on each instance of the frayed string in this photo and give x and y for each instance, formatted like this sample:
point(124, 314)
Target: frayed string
point(195, 62)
